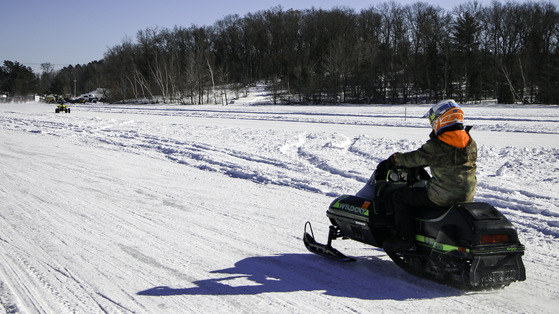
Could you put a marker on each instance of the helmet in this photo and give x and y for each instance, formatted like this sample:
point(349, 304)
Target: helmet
point(444, 114)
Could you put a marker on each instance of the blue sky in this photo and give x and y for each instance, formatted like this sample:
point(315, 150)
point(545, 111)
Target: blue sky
point(64, 32)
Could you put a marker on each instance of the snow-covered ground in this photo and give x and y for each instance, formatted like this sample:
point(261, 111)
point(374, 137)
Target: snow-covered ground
point(173, 209)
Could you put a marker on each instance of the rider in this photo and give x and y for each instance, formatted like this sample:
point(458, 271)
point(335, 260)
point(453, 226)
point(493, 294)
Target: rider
point(451, 154)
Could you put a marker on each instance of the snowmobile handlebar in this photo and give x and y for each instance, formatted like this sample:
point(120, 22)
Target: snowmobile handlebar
point(400, 174)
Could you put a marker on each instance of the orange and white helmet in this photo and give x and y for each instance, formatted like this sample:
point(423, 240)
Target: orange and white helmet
point(444, 114)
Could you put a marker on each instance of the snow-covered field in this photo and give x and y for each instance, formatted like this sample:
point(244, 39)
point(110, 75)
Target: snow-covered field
point(179, 209)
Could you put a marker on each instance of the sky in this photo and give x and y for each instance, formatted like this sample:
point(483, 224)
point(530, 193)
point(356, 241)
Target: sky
point(64, 32)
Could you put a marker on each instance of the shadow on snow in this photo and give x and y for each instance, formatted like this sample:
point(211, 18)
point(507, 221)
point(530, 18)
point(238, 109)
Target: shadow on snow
point(370, 278)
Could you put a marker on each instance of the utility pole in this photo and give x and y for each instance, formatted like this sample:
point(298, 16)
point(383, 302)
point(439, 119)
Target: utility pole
point(74, 87)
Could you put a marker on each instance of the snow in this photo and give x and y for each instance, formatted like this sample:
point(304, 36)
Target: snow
point(170, 208)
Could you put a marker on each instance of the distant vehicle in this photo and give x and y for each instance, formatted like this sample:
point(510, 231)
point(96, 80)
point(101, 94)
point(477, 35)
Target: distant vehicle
point(84, 98)
point(50, 99)
point(77, 100)
point(90, 98)
point(62, 108)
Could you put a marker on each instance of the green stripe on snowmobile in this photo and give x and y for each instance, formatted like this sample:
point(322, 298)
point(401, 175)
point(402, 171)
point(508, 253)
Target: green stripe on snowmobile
point(446, 248)
point(337, 204)
point(357, 216)
point(351, 209)
point(430, 242)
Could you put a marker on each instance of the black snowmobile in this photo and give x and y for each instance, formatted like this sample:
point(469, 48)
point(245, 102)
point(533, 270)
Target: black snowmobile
point(470, 246)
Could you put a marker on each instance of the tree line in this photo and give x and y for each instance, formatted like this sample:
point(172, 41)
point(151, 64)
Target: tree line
point(388, 53)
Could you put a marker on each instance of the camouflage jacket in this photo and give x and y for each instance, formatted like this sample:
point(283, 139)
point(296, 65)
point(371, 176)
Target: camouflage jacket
point(451, 156)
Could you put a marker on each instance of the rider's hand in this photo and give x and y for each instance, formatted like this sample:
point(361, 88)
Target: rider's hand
point(391, 162)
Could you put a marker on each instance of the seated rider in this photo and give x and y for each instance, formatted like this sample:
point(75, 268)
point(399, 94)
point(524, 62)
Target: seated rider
point(451, 155)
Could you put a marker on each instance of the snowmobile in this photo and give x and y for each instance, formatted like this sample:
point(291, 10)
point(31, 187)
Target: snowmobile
point(470, 246)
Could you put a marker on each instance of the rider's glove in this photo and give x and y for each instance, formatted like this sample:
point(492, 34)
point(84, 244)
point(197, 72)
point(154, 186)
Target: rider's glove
point(391, 162)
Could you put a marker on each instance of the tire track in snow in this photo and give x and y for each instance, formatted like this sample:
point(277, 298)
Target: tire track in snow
point(232, 162)
point(341, 147)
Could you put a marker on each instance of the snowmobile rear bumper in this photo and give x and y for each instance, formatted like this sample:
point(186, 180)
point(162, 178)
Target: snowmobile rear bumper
point(479, 266)
point(497, 269)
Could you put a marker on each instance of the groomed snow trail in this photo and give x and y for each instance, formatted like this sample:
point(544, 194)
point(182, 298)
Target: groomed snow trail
point(169, 208)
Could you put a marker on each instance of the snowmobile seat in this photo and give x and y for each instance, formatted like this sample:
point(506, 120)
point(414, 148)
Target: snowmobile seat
point(432, 214)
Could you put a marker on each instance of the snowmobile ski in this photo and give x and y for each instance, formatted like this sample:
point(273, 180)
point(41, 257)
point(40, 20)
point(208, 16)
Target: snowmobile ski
point(325, 250)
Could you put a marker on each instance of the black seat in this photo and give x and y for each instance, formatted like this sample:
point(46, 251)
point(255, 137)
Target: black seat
point(432, 214)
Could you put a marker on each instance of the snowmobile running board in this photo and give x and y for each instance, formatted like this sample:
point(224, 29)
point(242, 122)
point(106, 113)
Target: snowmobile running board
point(325, 250)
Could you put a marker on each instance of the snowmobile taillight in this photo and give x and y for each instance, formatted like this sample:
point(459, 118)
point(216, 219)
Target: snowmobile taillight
point(494, 238)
